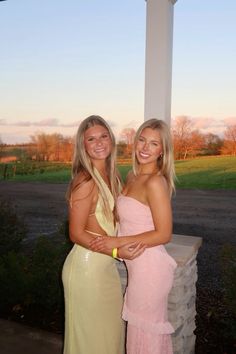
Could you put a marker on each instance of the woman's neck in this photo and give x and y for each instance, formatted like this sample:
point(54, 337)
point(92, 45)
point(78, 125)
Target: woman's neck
point(100, 165)
point(147, 170)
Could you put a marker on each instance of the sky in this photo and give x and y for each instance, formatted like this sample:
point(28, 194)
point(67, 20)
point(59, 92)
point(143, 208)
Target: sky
point(61, 61)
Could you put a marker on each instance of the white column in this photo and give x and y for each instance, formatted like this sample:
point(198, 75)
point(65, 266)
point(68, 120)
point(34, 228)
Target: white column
point(158, 67)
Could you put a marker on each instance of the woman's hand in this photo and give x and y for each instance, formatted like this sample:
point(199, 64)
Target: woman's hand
point(103, 244)
point(131, 250)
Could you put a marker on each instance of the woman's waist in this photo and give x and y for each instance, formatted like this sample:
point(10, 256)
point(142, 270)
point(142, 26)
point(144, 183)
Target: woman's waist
point(129, 230)
point(150, 257)
point(152, 252)
point(90, 265)
point(102, 230)
point(84, 255)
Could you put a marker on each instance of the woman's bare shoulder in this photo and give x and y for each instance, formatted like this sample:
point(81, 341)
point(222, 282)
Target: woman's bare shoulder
point(82, 185)
point(156, 182)
point(130, 176)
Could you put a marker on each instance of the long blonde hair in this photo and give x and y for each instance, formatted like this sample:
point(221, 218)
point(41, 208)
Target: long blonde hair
point(82, 163)
point(165, 163)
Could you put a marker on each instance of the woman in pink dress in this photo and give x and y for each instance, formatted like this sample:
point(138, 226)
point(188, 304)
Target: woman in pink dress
point(145, 215)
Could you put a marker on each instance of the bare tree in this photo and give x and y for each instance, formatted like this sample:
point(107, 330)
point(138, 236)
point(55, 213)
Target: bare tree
point(68, 147)
point(53, 147)
point(181, 136)
point(229, 146)
point(1, 146)
point(41, 143)
point(197, 142)
point(186, 140)
point(127, 134)
point(127, 137)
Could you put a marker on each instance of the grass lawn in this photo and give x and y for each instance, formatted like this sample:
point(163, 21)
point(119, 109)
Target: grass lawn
point(62, 176)
point(203, 173)
point(200, 173)
point(207, 173)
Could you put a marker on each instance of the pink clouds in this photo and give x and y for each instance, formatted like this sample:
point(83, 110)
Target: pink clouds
point(230, 121)
point(202, 123)
point(211, 125)
point(50, 122)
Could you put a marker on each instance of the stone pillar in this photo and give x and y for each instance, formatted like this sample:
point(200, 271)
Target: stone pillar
point(158, 67)
point(182, 298)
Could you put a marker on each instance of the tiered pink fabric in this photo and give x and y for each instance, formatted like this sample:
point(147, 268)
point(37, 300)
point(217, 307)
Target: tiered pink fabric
point(150, 278)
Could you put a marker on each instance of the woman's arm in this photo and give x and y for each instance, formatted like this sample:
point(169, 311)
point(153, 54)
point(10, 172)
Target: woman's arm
point(83, 200)
point(160, 204)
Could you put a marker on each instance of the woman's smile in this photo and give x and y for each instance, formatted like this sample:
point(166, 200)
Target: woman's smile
point(97, 142)
point(148, 147)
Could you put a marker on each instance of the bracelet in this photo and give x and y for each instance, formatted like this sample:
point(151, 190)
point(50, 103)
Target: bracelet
point(114, 252)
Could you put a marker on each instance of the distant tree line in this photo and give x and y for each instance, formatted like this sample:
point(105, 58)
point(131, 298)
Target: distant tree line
point(50, 147)
point(188, 142)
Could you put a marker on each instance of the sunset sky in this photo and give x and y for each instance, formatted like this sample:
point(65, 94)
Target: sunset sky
point(61, 61)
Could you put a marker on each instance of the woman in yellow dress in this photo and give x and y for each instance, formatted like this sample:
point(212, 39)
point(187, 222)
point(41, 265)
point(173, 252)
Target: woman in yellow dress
point(92, 288)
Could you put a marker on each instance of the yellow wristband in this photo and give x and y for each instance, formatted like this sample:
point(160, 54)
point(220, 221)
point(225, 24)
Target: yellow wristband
point(114, 252)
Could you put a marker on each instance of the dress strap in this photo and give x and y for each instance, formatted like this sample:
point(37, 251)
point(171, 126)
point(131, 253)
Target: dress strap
point(93, 233)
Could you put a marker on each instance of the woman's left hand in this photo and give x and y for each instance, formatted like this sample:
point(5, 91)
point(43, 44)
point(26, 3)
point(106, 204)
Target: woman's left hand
point(131, 250)
point(103, 244)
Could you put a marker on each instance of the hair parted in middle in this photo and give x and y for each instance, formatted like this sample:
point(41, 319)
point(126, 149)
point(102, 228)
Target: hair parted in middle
point(165, 164)
point(82, 163)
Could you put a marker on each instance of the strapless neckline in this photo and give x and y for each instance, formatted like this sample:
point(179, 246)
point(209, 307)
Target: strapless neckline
point(133, 199)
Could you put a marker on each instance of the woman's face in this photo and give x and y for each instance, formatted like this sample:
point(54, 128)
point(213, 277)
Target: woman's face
point(97, 142)
point(149, 146)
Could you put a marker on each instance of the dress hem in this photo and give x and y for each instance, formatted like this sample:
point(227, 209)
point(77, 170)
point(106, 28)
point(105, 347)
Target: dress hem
point(145, 325)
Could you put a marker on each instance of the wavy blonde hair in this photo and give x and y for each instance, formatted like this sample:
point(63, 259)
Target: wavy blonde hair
point(165, 164)
point(82, 163)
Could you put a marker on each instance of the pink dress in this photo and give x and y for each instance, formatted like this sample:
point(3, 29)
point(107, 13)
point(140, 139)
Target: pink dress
point(150, 278)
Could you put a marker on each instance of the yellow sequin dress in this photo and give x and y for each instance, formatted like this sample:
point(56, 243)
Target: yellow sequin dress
point(93, 297)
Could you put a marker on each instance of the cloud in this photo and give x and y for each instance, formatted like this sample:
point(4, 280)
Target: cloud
point(132, 124)
point(229, 121)
point(49, 122)
point(211, 125)
point(54, 122)
point(71, 125)
point(202, 123)
point(22, 124)
point(111, 123)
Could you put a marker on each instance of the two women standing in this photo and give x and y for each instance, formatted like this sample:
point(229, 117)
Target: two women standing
point(145, 221)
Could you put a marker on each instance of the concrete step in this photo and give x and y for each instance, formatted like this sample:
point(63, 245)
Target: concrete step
point(16, 338)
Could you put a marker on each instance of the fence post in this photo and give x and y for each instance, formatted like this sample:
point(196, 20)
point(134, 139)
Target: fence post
point(5, 171)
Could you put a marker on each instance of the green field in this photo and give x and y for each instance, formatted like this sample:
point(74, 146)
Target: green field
point(200, 173)
point(207, 173)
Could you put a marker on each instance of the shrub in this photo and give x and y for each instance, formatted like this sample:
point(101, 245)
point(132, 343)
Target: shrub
point(13, 280)
point(45, 274)
point(31, 286)
point(228, 262)
point(12, 229)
